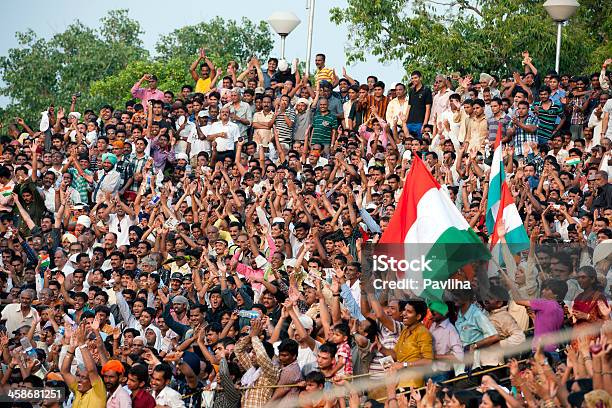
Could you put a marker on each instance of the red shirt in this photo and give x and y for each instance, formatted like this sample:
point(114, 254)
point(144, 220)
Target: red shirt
point(142, 399)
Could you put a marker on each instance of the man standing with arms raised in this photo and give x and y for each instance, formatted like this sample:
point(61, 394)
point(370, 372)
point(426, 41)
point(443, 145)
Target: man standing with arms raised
point(147, 94)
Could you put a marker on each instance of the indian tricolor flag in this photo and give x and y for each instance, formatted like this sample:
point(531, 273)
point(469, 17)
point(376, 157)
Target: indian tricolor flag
point(501, 206)
point(497, 178)
point(426, 225)
point(508, 217)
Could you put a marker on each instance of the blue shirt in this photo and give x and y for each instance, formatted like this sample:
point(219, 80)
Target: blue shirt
point(557, 96)
point(474, 326)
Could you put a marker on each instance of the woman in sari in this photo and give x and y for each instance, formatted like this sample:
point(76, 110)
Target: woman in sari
point(585, 308)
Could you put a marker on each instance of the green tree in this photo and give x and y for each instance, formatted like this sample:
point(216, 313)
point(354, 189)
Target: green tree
point(39, 71)
point(471, 36)
point(115, 89)
point(224, 40)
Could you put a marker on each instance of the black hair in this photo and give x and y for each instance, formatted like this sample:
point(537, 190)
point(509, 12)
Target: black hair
point(165, 369)
point(419, 306)
point(329, 348)
point(479, 102)
point(496, 398)
point(558, 287)
point(102, 308)
point(5, 172)
point(316, 377)
point(269, 349)
point(468, 398)
point(141, 372)
point(290, 346)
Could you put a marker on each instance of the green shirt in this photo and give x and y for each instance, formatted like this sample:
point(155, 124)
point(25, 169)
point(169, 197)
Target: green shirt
point(80, 184)
point(322, 127)
point(547, 120)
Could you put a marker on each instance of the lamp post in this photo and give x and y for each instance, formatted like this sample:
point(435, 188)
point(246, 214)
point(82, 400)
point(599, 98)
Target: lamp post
point(560, 11)
point(311, 6)
point(283, 22)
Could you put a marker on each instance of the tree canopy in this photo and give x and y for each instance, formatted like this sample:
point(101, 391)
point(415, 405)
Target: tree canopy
point(471, 36)
point(232, 41)
point(103, 63)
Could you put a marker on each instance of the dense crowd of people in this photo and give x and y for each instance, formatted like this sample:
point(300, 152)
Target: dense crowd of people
point(204, 248)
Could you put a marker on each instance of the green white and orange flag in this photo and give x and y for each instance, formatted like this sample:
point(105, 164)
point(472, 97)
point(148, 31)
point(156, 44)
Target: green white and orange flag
point(500, 205)
point(427, 223)
point(497, 178)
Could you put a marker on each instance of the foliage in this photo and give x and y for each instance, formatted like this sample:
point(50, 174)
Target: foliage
point(40, 72)
point(472, 36)
point(115, 89)
point(223, 40)
point(103, 64)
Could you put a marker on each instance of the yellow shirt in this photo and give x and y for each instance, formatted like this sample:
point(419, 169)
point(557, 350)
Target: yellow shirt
point(95, 397)
point(414, 344)
point(325, 74)
point(203, 85)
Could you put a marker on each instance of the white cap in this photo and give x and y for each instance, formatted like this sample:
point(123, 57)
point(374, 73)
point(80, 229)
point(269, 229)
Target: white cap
point(283, 65)
point(370, 206)
point(278, 219)
point(182, 156)
point(304, 101)
point(84, 220)
point(306, 321)
point(73, 258)
point(77, 115)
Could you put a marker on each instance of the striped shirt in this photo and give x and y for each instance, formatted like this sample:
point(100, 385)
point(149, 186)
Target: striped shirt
point(285, 132)
point(325, 74)
point(547, 120)
point(493, 123)
point(380, 105)
point(322, 128)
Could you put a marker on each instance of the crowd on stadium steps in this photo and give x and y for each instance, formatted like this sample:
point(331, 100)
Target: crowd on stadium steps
point(204, 248)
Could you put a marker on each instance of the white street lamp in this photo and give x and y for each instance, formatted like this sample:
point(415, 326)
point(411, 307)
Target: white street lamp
point(311, 7)
point(560, 11)
point(283, 22)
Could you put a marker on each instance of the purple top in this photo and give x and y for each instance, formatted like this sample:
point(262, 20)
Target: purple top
point(549, 318)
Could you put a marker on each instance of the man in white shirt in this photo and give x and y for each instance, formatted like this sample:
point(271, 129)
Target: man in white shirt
point(398, 107)
point(17, 315)
point(224, 134)
point(606, 125)
point(440, 102)
point(164, 395)
point(107, 179)
point(198, 141)
point(186, 131)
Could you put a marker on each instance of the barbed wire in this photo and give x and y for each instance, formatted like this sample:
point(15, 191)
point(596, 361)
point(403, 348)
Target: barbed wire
point(384, 379)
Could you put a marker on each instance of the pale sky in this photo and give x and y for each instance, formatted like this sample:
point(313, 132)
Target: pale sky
point(162, 17)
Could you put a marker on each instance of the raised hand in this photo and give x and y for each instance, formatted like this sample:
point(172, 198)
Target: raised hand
point(604, 308)
point(116, 333)
point(256, 327)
